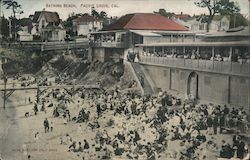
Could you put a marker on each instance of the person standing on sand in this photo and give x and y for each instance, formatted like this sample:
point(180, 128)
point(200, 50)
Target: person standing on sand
point(46, 125)
point(51, 126)
point(35, 108)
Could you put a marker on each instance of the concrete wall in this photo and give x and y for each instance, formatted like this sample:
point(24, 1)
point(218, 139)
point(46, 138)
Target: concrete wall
point(239, 88)
point(116, 54)
point(160, 76)
point(104, 54)
point(212, 87)
point(98, 54)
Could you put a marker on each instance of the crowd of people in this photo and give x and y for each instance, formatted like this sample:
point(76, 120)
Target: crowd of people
point(130, 126)
point(194, 54)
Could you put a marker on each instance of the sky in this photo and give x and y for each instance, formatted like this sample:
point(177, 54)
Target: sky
point(114, 7)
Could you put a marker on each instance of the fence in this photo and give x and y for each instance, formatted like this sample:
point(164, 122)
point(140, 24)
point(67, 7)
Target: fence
point(199, 64)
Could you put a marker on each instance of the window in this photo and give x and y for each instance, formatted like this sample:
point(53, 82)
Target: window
point(122, 37)
point(43, 23)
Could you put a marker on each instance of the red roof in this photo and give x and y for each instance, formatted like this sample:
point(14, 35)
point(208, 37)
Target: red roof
point(50, 16)
point(86, 18)
point(145, 21)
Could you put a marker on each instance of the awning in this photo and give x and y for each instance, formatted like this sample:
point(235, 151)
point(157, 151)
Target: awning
point(146, 33)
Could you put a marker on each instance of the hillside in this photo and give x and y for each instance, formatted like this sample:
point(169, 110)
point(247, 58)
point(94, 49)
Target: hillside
point(67, 67)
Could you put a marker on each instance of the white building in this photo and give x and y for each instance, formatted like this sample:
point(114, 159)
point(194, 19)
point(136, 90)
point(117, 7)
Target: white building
point(24, 36)
point(219, 23)
point(86, 24)
point(48, 26)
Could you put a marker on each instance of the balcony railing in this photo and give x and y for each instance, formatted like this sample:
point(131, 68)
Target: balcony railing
point(200, 65)
point(109, 44)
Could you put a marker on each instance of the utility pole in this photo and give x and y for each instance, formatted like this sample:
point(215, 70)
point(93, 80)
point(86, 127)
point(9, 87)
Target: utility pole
point(37, 95)
point(4, 92)
point(234, 20)
point(1, 21)
point(10, 27)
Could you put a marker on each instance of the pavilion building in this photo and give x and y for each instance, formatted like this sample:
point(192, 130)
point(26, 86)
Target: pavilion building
point(209, 67)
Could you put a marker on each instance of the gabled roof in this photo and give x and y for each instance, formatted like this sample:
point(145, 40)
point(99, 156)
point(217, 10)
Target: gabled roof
point(50, 16)
point(86, 18)
point(145, 21)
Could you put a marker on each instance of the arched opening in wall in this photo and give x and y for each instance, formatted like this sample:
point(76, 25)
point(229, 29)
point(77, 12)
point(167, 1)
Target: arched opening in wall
point(193, 85)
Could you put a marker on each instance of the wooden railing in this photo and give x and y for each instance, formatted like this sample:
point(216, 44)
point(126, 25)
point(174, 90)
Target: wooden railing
point(45, 46)
point(200, 65)
point(64, 45)
point(109, 44)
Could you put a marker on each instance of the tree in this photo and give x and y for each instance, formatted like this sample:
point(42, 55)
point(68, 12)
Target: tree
point(164, 13)
point(4, 27)
point(95, 13)
point(15, 7)
point(217, 7)
point(237, 20)
point(103, 15)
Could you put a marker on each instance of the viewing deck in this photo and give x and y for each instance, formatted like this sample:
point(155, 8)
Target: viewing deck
point(221, 67)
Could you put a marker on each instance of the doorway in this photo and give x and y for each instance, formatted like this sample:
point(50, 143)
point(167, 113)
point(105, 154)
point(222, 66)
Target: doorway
point(193, 85)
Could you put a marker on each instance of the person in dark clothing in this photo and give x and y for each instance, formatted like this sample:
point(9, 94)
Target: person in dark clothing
point(137, 137)
point(72, 146)
point(35, 109)
point(226, 110)
point(43, 107)
point(133, 108)
point(151, 155)
point(226, 151)
point(144, 109)
point(209, 124)
point(120, 136)
point(46, 125)
point(162, 137)
point(142, 80)
point(98, 110)
point(241, 150)
point(55, 112)
point(163, 101)
point(86, 145)
point(222, 122)
point(236, 140)
point(201, 137)
point(215, 124)
point(68, 113)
